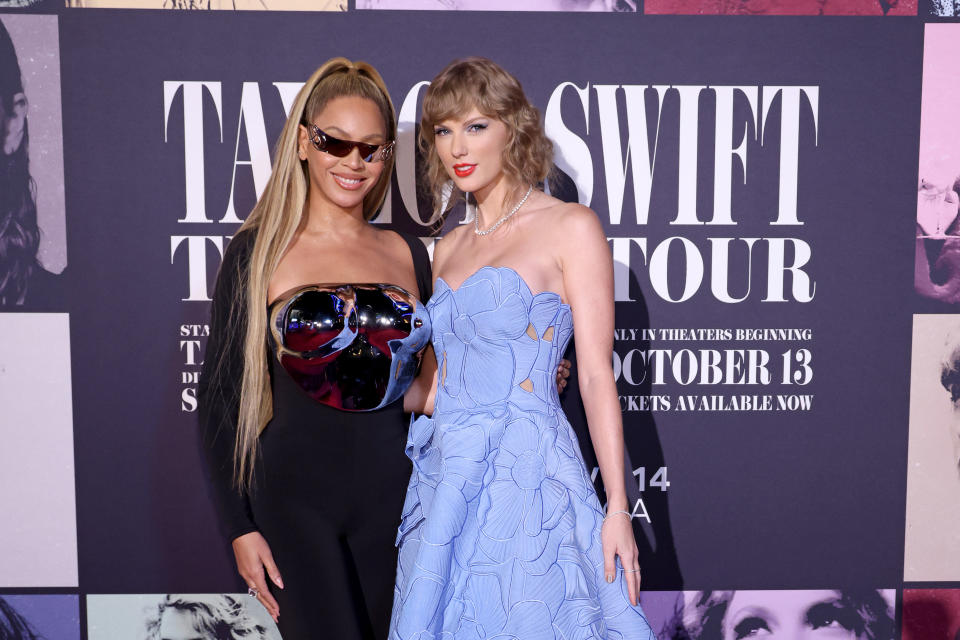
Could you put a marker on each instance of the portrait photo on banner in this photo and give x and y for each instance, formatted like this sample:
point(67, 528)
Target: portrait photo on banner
point(38, 535)
point(33, 241)
point(228, 5)
point(937, 262)
point(940, 8)
point(39, 617)
point(502, 5)
point(932, 549)
point(178, 616)
point(852, 614)
point(931, 613)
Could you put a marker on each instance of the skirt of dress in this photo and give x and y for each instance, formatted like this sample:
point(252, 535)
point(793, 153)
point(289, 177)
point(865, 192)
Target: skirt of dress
point(504, 542)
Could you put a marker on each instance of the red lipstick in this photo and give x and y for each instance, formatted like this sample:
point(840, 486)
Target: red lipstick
point(463, 170)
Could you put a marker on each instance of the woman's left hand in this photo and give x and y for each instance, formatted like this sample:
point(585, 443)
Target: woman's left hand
point(616, 536)
point(563, 372)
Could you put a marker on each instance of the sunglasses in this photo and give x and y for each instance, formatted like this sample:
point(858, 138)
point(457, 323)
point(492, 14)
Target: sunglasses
point(342, 148)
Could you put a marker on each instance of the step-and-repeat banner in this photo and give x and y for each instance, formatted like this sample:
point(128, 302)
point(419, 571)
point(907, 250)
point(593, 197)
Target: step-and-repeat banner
point(780, 192)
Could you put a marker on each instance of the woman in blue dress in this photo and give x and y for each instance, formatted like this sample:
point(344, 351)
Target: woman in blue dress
point(502, 534)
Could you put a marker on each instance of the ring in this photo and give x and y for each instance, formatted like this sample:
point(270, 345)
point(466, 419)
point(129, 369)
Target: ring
point(253, 592)
point(631, 570)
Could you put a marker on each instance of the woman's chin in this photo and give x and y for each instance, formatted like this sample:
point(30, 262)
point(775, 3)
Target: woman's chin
point(344, 198)
point(462, 184)
point(471, 183)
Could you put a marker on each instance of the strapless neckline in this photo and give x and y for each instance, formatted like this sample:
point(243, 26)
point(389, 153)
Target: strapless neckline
point(481, 270)
point(334, 285)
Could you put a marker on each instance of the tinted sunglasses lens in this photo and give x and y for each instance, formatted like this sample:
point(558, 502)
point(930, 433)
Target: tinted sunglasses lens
point(342, 148)
point(335, 146)
point(369, 152)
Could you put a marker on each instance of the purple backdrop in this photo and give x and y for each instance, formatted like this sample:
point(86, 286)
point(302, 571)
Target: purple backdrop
point(788, 498)
point(757, 180)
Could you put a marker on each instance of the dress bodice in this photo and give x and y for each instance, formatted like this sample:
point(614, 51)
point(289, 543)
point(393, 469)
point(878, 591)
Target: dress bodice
point(496, 341)
point(355, 347)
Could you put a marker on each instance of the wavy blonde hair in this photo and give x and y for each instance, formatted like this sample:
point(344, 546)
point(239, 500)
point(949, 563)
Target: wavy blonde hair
point(275, 220)
point(482, 84)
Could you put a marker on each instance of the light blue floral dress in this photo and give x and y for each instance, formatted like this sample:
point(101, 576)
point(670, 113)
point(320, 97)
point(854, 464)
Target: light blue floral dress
point(500, 536)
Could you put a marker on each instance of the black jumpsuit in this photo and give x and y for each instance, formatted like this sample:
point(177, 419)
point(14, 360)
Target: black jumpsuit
point(329, 485)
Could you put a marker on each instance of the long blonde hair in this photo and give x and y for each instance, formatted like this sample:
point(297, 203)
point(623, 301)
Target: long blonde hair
point(275, 220)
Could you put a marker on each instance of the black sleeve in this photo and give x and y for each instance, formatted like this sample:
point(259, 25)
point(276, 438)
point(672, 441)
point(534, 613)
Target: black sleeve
point(421, 266)
point(218, 392)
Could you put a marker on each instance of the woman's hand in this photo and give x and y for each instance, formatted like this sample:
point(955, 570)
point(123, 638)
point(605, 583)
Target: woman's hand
point(563, 372)
point(253, 555)
point(617, 539)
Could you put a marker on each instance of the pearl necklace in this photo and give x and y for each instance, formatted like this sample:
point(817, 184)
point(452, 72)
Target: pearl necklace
point(503, 218)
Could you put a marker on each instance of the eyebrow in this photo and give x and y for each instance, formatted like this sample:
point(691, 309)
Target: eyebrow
point(466, 123)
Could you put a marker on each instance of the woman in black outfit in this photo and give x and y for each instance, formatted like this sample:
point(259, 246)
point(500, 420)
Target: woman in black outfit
point(304, 489)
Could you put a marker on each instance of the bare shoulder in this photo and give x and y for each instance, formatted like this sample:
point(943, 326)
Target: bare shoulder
point(579, 217)
point(570, 221)
point(392, 238)
point(385, 242)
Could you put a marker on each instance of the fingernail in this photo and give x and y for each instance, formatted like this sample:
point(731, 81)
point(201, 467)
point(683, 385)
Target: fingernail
point(279, 581)
point(609, 577)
